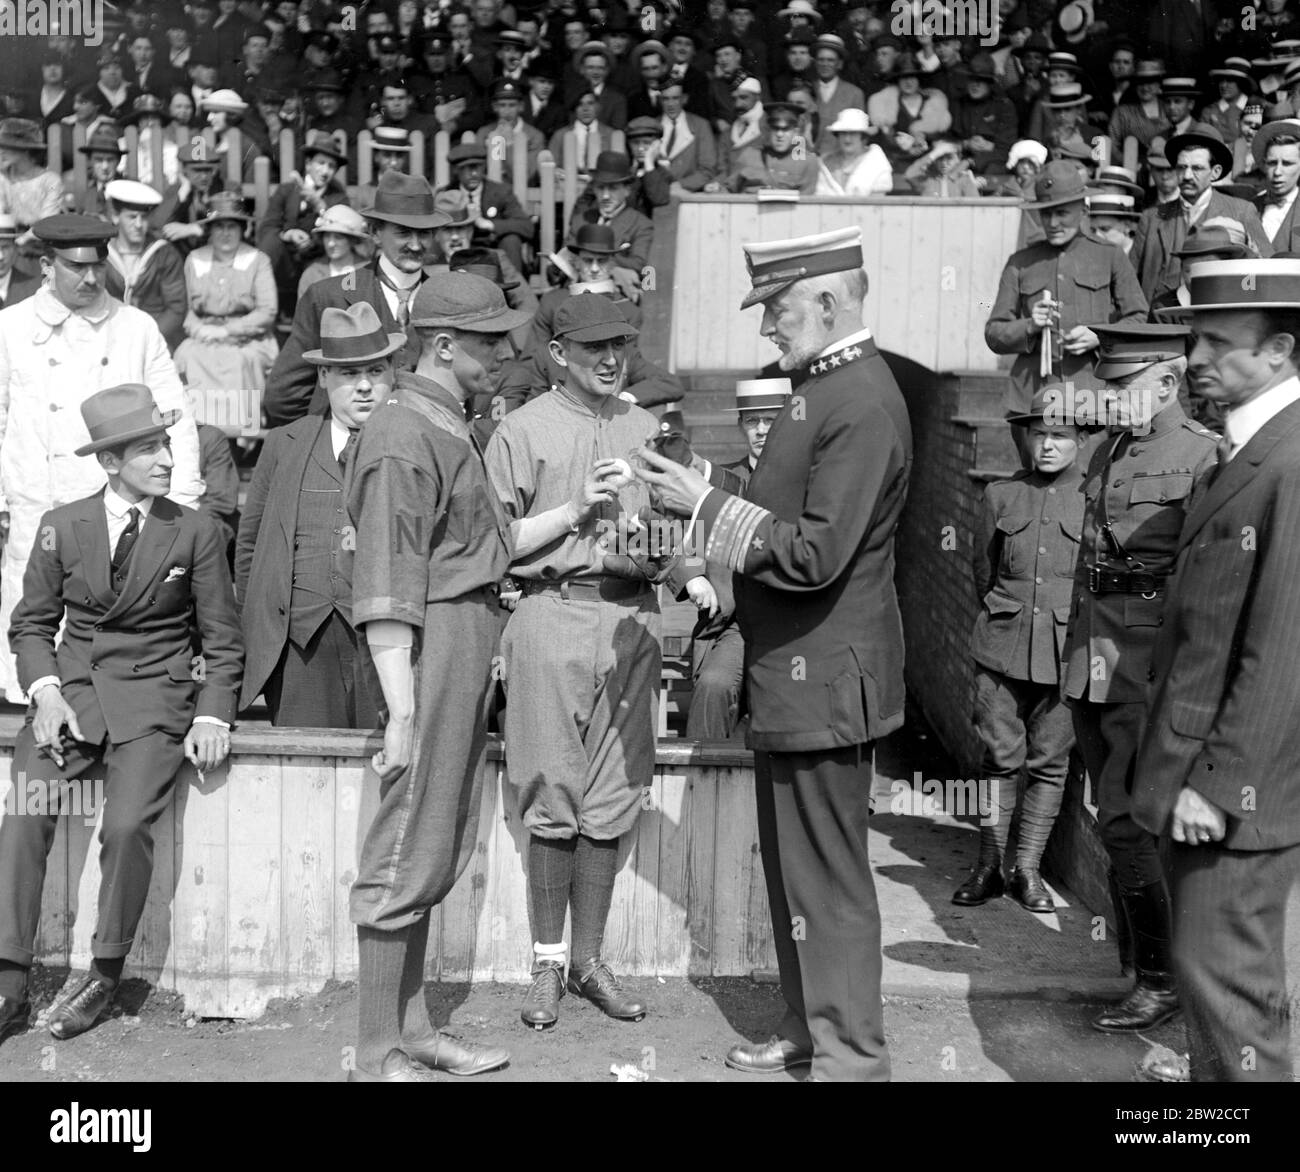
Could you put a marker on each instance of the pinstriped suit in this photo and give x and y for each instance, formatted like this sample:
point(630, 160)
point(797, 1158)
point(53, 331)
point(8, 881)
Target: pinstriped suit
point(1223, 721)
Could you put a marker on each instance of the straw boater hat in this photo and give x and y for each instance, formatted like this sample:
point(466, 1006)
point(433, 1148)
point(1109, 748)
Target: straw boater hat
point(1150, 69)
point(1244, 284)
point(776, 265)
point(1236, 69)
point(1061, 97)
point(8, 226)
point(800, 8)
point(122, 414)
point(1179, 87)
point(342, 219)
point(1283, 127)
point(1114, 178)
point(1112, 203)
point(762, 394)
point(227, 101)
point(353, 335)
point(406, 200)
point(1064, 61)
point(394, 139)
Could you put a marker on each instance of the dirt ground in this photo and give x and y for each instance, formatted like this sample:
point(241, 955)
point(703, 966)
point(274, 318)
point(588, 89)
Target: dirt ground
point(684, 1038)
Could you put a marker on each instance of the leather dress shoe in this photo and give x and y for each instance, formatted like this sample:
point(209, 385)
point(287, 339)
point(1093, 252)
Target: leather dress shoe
point(15, 1015)
point(447, 1054)
point(984, 883)
point(78, 1010)
point(596, 981)
point(394, 1068)
point(1151, 1002)
point(1028, 888)
point(1163, 1065)
point(541, 1007)
point(767, 1057)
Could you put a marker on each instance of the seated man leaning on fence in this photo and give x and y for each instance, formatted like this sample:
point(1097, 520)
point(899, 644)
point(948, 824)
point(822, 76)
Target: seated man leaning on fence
point(611, 183)
point(135, 576)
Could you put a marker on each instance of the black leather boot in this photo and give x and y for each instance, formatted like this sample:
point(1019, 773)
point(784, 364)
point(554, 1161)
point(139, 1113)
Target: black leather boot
point(595, 980)
point(541, 1007)
point(1153, 999)
point(1028, 888)
point(983, 884)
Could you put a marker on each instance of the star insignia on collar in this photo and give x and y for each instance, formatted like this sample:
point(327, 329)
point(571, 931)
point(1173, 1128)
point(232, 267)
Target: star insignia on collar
point(818, 367)
point(835, 360)
point(757, 543)
point(851, 353)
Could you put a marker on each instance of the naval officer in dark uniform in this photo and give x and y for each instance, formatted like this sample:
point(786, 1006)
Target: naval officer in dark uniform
point(811, 543)
point(1136, 495)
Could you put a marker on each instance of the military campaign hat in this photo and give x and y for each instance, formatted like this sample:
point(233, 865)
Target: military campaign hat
point(1125, 349)
point(1058, 183)
point(591, 317)
point(80, 239)
point(1058, 405)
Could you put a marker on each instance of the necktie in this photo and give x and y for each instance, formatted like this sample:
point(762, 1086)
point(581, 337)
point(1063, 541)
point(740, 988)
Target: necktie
point(125, 544)
point(349, 449)
point(403, 298)
point(672, 138)
point(1223, 449)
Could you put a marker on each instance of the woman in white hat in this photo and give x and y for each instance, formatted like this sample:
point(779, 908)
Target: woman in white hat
point(343, 236)
point(230, 341)
point(943, 173)
point(857, 166)
point(225, 111)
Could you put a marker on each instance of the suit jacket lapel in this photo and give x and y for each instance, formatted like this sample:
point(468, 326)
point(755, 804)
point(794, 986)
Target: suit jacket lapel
point(1240, 471)
point(304, 434)
point(156, 539)
point(91, 531)
point(322, 453)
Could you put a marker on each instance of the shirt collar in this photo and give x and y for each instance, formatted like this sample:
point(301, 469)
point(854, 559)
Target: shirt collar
point(338, 436)
point(118, 508)
point(862, 335)
point(53, 312)
point(1242, 423)
point(400, 279)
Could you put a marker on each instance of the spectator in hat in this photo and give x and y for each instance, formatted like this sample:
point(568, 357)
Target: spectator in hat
point(906, 115)
point(293, 568)
point(984, 121)
point(1025, 160)
point(590, 136)
point(857, 166)
point(1244, 164)
point(447, 94)
point(58, 348)
point(651, 181)
point(499, 219)
point(1236, 85)
point(746, 127)
point(595, 64)
point(230, 338)
point(798, 66)
point(1164, 179)
point(943, 173)
point(509, 48)
point(390, 150)
point(1030, 59)
point(179, 218)
point(28, 190)
point(834, 94)
point(1178, 96)
point(1200, 159)
point(285, 233)
point(1139, 113)
point(457, 236)
point(782, 160)
point(1065, 111)
point(876, 66)
point(344, 243)
point(55, 99)
point(326, 113)
point(726, 75)
point(385, 65)
point(402, 222)
point(941, 59)
point(16, 284)
point(103, 153)
point(143, 269)
point(611, 191)
point(543, 107)
point(148, 115)
point(146, 74)
point(1218, 238)
point(1277, 146)
point(1063, 69)
point(499, 136)
point(226, 111)
point(651, 61)
point(1051, 293)
point(1112, 218)
point(1023, 566)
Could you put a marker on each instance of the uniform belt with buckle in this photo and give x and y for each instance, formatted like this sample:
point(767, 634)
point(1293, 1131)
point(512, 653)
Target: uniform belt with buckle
point(1102, 580)
point(610, 589)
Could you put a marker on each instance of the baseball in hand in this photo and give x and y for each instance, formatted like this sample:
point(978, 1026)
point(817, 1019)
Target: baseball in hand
point(616, 472)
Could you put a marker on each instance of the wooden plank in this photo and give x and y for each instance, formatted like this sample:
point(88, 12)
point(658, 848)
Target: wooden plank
point(673, 943)
point(199, 912)
point(956, 282)
point(254, 945)
point(51, 944)
point(625, 936)
point(994, 240)
point(506, 899)
point(686, 292)
point(307, 804)
point(736, 865)
point(462, 911)
point(741, 333)
point(894, 279)
point(356, 797)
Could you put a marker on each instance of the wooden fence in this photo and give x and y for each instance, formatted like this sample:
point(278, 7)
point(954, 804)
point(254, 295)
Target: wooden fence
point(558, 182)
point(933, 267)
point(252, 871)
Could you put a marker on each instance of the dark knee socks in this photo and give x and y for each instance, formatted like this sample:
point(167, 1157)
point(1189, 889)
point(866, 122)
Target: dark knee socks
point(550, 875)
point(595, 862)
point(13, 980)
point(381, 959)
point(415, 1023)
point(108, 968)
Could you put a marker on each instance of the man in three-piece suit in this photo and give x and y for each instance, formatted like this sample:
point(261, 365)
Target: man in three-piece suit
point(293, 559)
point(1277, 147)
point(123, 697)
point(402, 219)
point(811, 543)
point(1216, 772)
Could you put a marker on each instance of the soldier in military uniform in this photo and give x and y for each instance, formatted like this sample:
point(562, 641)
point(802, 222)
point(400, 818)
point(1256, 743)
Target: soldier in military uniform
point(782, 160)
point(1024, 569)
point(811, 543)
point(1136, 495)
point(1059, 286)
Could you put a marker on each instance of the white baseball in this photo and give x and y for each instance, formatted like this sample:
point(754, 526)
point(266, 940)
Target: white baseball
point(618, 473)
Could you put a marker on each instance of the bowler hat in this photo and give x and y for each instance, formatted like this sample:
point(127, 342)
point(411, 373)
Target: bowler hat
point(353, 335)
point(406, 200)
point(463, 301)
point(321, 142)
point(612, 167)
point(1201, 135)
point(121, 414)
point(597, 238)
point(104, 140)
point(591, 317)
point(1057, 184)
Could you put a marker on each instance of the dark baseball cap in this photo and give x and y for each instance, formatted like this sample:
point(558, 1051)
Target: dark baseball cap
point(591, 317)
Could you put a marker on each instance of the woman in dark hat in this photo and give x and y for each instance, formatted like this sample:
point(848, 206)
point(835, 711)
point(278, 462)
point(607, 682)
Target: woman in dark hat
point(28, 190)
point(907, 114)
point(230, 340)
point(1236, 85)
point(1138, 113)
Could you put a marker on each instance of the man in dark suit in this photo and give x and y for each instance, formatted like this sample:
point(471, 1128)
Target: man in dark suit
point(596, 63)
point(179, 218)
point(143, 269)
point(500, 220)
point(293, 562)
point(402, 220)
point(1216, 772)
point(123, 696)
point(812, 546)
point(15, 284)
point(1277, 148)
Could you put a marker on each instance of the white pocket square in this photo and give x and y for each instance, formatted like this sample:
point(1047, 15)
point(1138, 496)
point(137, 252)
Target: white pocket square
point(174, 573)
